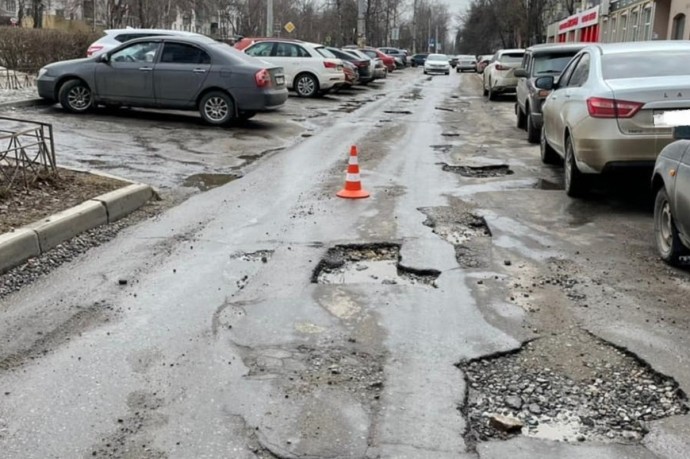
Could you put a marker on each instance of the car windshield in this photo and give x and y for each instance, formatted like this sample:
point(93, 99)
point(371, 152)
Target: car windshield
point(511, 58)
point(437, 57)
point(325, 52)
point(656, 64)
point(551, 64)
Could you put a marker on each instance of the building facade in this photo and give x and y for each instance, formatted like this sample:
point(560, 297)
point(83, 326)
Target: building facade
point(678, 29)
point(582, 26)
point(635, 20)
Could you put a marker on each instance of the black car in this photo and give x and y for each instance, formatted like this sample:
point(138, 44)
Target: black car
point(454, 61)
point(364, 68)
point(419, 59)
point(539, 60)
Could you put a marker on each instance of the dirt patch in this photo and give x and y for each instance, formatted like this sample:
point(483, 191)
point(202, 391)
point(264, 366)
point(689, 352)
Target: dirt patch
point(570, 386)
point(498, 170)
point(46, 197)
point(466, 231)
point(370, 263)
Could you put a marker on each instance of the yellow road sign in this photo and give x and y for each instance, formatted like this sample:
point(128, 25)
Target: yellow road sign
point(290, 27)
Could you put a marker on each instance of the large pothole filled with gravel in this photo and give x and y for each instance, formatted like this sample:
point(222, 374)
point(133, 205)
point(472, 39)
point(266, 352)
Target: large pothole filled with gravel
point(379, 263)
point(570, 386)
point(494, 170)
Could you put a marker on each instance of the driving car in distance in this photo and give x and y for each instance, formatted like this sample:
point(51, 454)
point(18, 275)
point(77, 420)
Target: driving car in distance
point(437, 63)
point(498, 76)
point(466, 62)
point(181, 73)
point(605, 109)
point(418, 59)
point(539, 60)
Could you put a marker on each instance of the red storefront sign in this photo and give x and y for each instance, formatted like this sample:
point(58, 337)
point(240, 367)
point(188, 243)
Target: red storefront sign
point(583, 26)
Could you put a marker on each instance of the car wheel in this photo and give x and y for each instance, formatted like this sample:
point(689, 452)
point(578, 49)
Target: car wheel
point(668, 242)
point(548, 154)
point(492, 93)
point(520, 117)
point(306, 85)
point(75, 96)
point(217, 108)
point(575, 181)
point(533, 133)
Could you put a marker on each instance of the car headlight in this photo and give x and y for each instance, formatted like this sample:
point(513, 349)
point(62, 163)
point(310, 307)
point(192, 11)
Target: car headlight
point(42, 72)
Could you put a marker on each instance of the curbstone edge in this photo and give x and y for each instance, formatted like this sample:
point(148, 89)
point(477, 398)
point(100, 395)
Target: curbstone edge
point(18, 246)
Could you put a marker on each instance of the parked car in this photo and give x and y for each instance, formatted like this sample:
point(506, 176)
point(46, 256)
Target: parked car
point(380, 69)
point(603, 110)
point(437, 63)
point(466, 62)
point(364, 65)
point(482, 62)
point(396, 54)
point(418, 59)
point(310, 69)
point(115, 37)
point(498, 76)
point(539, 60)
point(351, 75)
point(374, 53)
point(671, 182)
point(246, 42)
point(182, 73)
point(454, 61)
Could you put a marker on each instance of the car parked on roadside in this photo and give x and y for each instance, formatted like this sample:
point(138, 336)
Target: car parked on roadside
point(418, 59)
point(539, 60)
point(499, 77)
point(351, 75)
point(169, 73)
point(364, 64)
point(466, 62)
point(397, 54)
point(310, 68)
point(603, 111)
point(482, 62)
point(115, 37)
point(246, 42)
point(671, 183)
point(437, 63)
point(453, 61)
point(387, 60)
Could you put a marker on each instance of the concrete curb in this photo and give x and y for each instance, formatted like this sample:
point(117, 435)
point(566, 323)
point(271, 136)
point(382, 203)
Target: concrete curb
point(39, 237)
point(26, 103)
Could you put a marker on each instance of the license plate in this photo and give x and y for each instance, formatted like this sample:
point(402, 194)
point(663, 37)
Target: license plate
point(672, 118)
point(280, 79)
point(339, 68)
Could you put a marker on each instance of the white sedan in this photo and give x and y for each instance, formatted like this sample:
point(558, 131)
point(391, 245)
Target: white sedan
point(437, 63)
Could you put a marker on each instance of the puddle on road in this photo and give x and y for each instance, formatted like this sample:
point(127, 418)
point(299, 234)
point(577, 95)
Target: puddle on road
point(205, 182)
point(370, 264)
point(498, 170)
point(571, 386)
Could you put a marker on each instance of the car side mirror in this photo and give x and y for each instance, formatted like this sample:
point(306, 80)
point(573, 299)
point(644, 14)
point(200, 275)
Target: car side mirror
point(105, 58)
point(681, 132)
point(545, 82)
point(520, 73)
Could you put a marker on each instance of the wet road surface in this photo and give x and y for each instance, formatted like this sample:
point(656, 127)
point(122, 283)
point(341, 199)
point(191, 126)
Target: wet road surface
point(268, 318)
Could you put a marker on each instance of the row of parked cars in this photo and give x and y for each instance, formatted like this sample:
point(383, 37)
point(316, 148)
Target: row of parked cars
point(186, 71)
point(597, 108)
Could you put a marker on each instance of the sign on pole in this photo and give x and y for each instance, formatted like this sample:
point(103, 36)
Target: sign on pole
point(395, 33)
point(290, 27)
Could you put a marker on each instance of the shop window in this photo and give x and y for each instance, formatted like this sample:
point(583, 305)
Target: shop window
point(612, 34)
point(647, 19)
point(624, 27)
point(678, 27)
point(633, 26)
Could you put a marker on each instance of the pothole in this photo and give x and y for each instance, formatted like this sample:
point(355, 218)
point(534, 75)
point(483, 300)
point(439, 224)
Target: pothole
point(414, 95)
point(370, 264)
point(570, 386)
point(398, 112)
point(468, 233)
point(442, 148)
point(497, 170)
point(205, 182)
point(445, 109)
point(450, 134)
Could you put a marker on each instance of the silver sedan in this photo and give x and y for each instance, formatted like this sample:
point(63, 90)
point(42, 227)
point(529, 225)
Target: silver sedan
point(170, 73)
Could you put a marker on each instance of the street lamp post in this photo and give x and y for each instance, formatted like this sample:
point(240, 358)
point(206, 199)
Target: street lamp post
point(269, 18)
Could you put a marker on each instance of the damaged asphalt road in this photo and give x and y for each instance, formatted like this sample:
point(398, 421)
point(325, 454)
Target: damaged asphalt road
point(267, 318)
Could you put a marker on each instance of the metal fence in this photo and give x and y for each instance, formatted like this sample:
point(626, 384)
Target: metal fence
point(14, 79)
point(27, 153)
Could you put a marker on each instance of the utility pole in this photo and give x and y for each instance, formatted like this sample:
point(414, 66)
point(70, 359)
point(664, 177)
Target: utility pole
point(269, 18)
point(428, 35)
point(361, 23)
point(414, 27)
point(436, 41)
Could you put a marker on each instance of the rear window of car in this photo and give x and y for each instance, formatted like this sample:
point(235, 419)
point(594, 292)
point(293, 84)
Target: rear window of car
point(511, 58)
point(550, 64)
point(645, 64)
point(325, 53)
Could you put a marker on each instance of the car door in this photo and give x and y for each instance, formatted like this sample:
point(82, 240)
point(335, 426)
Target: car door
point(521, 88)
point(681, 196)
point(127, 76)
point(574, 104)
point(553, 106)
point(487, 71)
point(294, 60)
point(180, 73)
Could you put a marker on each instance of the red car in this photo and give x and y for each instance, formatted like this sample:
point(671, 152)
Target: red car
point(351, 75)
point(374, 53)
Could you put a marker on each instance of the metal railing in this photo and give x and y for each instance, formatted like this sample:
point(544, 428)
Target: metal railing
point(27, 153)
point(13, 79)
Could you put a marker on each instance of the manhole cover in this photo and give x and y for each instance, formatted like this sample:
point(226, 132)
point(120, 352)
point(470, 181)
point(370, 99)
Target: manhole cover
point(370, 264)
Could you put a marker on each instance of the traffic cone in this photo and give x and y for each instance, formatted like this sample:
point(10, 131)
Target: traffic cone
point(353, 185)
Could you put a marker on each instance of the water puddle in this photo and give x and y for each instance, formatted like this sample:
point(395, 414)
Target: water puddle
point(370, 264)
point(205, 182)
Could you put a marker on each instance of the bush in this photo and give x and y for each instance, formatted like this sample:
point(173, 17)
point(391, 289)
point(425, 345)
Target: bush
point(27, 50)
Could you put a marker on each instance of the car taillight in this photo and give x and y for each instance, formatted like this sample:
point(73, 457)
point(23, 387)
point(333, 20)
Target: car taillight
point(329, 65)
point(543, 93)
point(501, 67)
point(263, 79)
point(600, 107)
point(92, 50)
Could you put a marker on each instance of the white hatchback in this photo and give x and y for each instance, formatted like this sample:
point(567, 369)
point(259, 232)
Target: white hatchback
point(310, 69)
point(437, 63)
point(115, 37)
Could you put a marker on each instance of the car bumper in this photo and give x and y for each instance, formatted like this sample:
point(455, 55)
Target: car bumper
point(46, 87)
point(504, 84)
point(596, 149)
point(437, 69)
point(331, 80)
point(380, 73)
point(268, 101)
point(467, 67)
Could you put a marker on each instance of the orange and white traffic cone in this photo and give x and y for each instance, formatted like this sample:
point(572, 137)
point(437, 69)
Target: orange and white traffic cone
point(353, 184)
